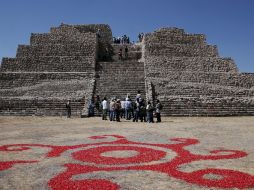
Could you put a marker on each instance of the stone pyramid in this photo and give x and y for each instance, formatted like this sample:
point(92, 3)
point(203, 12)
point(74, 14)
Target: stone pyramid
point(74, 62)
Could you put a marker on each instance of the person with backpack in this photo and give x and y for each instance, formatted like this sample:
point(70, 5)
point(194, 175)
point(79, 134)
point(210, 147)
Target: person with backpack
point(158, 109)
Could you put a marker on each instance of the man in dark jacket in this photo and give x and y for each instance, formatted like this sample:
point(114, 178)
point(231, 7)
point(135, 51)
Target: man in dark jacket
point(158, 110)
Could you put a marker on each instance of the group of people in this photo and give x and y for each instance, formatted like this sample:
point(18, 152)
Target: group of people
point(121, 40)
point(135, 110)
point(126, 39)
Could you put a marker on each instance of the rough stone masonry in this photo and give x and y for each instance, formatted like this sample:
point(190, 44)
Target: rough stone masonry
point(73, 62)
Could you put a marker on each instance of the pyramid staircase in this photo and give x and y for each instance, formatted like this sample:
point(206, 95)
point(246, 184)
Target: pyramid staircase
point(117, 78)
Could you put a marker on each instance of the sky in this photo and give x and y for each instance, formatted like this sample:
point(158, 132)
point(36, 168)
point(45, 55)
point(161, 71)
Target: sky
point(229, 24)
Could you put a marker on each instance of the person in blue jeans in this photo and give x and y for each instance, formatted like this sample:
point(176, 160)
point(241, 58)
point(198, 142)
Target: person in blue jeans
point(128, 107)
point(112, 114)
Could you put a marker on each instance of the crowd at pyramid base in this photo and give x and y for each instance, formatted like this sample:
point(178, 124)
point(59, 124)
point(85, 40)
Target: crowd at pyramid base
point(79, 62)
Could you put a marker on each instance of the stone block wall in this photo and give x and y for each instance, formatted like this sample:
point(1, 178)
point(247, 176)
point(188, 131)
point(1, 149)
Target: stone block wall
point(105, 31)
point(104, 35)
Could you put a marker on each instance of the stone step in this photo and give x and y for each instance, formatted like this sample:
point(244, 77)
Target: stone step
point(202, 64)
point(121, 70)
point(38, 107)
point(131, 47)
point(61, 37)
point(13, 80)
point(53, 64)
point(180, 38)
point(218, 78)
point(117, 79)
point(120, 63)
point(130, 56)
point(56, 50)
point(181, 50)
point(197, 90)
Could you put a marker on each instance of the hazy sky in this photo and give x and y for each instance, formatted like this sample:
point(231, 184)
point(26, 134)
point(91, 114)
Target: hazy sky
point(226, 23)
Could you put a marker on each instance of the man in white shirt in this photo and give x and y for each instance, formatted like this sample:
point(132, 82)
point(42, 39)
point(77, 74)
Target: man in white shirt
point(104, 108)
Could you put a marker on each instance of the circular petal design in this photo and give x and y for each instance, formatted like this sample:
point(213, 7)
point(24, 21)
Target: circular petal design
point(95, 155)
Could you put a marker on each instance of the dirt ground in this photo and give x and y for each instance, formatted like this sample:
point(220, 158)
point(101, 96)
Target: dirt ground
point(88, 153)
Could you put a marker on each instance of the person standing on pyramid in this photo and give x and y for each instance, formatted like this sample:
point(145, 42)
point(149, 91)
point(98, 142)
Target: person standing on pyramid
point(126, 52)
point(120, 54)
point(68, 108)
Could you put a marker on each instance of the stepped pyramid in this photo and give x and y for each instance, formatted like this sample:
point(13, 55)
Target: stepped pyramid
point(73, 62)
